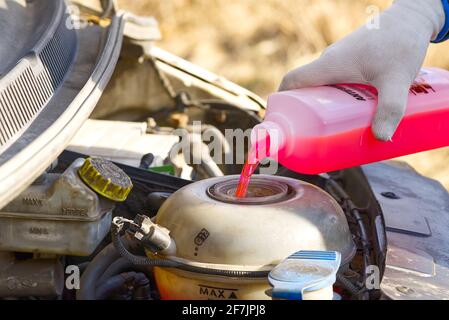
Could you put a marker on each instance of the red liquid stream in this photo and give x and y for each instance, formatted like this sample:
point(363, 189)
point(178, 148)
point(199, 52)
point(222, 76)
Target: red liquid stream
point(257, 153)
point(245, 177)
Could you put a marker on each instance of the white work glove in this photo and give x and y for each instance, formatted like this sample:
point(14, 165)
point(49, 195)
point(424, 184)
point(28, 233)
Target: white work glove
point(389, 58)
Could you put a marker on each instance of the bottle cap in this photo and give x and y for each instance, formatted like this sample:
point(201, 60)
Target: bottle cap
point(106, 179)
point(304, 271)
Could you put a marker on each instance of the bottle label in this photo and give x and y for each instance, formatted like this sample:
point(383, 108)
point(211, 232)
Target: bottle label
point(366, 93)
point(421, 87)
point(358, 92)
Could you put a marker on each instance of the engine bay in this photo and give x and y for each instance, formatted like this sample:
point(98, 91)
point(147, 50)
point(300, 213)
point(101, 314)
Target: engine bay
point(141, 203)
point(221, 253)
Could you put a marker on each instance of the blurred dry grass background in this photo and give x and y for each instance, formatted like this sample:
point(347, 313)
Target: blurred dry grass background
point(255, 42)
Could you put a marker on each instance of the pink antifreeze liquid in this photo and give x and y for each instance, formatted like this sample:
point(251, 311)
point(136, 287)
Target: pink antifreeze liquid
point(258, 152)
point(322, 129)
point(245, 177)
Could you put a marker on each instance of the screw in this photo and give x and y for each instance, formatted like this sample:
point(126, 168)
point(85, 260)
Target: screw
point(390, 195)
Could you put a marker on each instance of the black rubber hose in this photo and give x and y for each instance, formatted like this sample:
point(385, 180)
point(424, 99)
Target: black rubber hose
point(146, 161)
point(115, 283)
point(145, 261)
point(225, 273)
point(364, 240)
point(94, 271)
point(360, 224)
point(117, 267)
point(82, 266)
point(110, 286)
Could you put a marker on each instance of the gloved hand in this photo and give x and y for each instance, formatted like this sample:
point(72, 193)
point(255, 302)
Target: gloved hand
point(388, 58)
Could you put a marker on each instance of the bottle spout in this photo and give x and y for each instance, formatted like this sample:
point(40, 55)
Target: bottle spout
point(267, 138)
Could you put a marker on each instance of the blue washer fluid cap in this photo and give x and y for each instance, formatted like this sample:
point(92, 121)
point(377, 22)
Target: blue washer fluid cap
point(304, 271)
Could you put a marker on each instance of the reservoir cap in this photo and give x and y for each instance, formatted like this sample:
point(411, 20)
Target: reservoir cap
point(302, 272)
point(106, 179)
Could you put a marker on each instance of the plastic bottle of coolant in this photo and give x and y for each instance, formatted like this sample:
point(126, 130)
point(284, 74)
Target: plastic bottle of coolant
point(322, 129)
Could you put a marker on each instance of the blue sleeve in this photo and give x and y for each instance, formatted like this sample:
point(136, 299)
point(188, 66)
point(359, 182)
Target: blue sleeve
point(444, 33)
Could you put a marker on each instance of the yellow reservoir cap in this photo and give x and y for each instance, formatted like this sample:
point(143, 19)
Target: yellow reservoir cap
point(106, 179)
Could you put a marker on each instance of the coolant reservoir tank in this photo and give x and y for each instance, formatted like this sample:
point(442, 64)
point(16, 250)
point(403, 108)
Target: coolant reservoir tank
point(214, 229)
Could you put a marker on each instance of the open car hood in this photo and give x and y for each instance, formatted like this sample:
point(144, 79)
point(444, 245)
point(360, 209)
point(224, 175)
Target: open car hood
point(52, 73)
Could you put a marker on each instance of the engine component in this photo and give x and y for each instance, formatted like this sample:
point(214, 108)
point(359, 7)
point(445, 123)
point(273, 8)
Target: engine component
point(160, 149)
point(137, 260)
point(30, 277)
point(131, 142)
point(106, 178)
point(137, 287)
point(213, 229)
point(152, 180)
point(94, 270)
point(152, 236)
point(58, 214)
point(306, 275)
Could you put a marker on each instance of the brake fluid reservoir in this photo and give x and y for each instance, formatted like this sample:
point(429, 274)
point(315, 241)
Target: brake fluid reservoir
point(214, 229)
point(60, 214)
